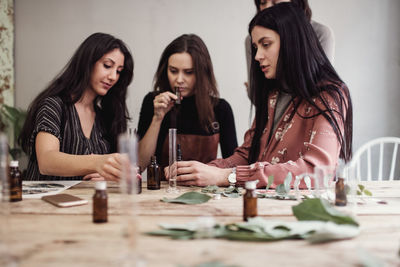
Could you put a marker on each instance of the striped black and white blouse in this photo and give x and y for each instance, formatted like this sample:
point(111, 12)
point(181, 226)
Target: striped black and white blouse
point(63, 122)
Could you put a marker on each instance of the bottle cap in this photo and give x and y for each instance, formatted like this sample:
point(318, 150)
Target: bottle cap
point(100, 185)
point(14, 163)
point(251, 185)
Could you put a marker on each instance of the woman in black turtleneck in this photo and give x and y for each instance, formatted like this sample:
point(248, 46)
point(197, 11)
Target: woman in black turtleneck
point(185, 74)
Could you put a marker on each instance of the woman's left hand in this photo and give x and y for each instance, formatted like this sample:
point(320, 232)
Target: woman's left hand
point(93, 177)
point(199, 174)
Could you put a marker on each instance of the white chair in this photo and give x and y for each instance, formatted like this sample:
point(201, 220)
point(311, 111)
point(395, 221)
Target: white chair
point(375, 160)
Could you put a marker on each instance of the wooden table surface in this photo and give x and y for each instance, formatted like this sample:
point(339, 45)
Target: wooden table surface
point(39, 234)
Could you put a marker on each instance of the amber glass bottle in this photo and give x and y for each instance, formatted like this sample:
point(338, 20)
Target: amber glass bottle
point(15, 182)
point(250, 200)
point(153, 175)
point(340, 192)
point(100, 206)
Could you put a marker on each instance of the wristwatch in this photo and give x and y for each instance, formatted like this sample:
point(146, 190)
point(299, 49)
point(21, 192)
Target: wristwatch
point(232, 177)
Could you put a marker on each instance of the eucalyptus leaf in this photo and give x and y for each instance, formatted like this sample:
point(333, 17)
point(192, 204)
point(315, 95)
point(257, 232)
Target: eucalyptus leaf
point(307, 181)
point(320, 210)
point(367, 192)
point(189, 198)
point(287, 182)
point(361, 187)
point(213, 189)
point(270, 181)
point(232, 192)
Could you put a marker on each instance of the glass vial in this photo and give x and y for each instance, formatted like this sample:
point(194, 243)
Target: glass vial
point(250, 200)
point(15, 182)
point(153, 175)
point(172, 187)
point(100, 206)
point(340, 193)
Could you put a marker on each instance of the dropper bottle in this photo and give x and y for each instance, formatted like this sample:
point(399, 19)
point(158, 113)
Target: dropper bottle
point(250, 200)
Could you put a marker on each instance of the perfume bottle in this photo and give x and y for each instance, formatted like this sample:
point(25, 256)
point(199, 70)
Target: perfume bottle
point(340, 193)
point(15, 182)
point(250, 200)
point(100, 200)
point(153, 175)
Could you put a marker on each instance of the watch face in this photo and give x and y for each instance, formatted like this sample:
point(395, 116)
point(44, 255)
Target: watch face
point(232, 178)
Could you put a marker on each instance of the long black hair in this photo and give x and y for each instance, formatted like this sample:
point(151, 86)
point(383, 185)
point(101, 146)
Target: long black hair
point(303, 71)
point(74, 79)
point(205, 87)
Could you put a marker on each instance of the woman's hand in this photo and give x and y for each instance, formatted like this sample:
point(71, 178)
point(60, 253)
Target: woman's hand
point(162, 104)
point(199, 174)
point(93, 177)
point(109, 166)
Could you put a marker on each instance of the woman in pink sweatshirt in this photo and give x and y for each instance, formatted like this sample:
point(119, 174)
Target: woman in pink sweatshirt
point(303, 109)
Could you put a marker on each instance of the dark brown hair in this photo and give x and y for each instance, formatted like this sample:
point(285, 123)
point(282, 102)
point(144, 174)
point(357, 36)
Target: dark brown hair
point(303, 4)
point(205, 87)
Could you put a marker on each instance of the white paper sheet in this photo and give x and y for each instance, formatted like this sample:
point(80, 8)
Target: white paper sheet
point(37, 189)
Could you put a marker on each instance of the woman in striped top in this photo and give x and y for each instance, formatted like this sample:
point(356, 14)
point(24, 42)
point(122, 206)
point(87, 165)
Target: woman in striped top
point(72, 126)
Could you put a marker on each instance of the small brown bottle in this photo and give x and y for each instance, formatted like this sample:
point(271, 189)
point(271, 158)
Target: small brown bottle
point(340, 193)
point(15, 182)
point(153, 175)
point(100, 202)
point(250, 200)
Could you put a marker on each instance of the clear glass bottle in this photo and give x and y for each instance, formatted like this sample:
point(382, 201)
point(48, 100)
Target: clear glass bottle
point(153, 175)
point(250, 200)
point(100, 206)
point(15, 182)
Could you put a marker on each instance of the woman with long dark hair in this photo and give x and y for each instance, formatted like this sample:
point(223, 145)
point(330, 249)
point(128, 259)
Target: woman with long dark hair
point(203, 120)
point(324, 33)
point(73, 125)
point(303, 109)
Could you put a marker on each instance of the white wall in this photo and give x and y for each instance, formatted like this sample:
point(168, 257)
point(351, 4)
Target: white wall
point(367, 48)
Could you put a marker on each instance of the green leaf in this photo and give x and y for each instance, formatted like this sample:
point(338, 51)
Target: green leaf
point(174, 234)
point(320, 210)
point(361, 187)
point(270, 181)
point(189, 198)
point(367, 192)
point(287, 182)
point(213, 189)
point(232, 192)
point(307, 181)
point(280, 190)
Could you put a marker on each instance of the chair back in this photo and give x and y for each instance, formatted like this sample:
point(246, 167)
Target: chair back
point(376, 160)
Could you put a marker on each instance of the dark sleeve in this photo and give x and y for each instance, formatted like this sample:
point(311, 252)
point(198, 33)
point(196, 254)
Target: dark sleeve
point(226, 121)
point(146, 115)
point(48, 118)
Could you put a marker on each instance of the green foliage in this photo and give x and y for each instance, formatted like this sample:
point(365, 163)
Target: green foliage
point(315, 209)
point(258, 229)
point(189, 198)
point(361, 190)
point(11, 122)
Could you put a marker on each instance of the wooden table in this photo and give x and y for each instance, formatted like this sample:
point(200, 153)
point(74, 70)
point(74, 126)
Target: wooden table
point(39, 234)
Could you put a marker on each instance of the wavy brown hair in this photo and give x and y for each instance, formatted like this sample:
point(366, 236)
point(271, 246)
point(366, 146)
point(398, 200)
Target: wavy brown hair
point(205, 87)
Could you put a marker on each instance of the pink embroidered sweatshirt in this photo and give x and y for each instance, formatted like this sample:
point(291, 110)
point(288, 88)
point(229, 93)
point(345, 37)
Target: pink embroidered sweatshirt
point(296, 146)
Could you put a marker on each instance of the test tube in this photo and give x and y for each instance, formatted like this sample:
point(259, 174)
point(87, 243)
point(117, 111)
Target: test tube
point(172, 188)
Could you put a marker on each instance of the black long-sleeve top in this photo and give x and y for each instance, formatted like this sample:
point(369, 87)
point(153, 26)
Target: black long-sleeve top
point(189, 130)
